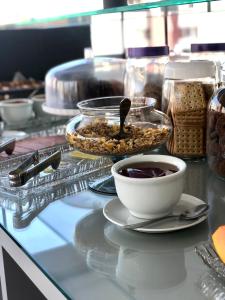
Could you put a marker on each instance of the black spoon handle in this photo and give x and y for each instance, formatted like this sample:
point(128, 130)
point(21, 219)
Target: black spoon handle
point(125, 105)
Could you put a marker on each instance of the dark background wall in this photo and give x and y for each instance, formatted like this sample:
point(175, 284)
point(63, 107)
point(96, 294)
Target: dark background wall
point(34, 51)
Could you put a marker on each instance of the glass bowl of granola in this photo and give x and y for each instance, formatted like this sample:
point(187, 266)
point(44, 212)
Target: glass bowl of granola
point(93, 131)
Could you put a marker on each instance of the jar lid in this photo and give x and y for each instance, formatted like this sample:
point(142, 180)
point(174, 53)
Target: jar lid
point(147, 51)
point(189, 70)
point(208, 47)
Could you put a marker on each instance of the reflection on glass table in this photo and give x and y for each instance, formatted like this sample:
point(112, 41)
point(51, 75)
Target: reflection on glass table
point(95, 131)
point(211, 286)
point(209, 256)
point(139, 263)
point(26, 209)
point(216, 199)
point(89, 241)
point(211, 250)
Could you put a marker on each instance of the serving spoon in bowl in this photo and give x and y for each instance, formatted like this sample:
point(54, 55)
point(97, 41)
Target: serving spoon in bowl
point(125, 105)
point(189, 214)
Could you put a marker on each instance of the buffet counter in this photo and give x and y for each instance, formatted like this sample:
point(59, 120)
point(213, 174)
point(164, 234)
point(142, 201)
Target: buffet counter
point(66, 248)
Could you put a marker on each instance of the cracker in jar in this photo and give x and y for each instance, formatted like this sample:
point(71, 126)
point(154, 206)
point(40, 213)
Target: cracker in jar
point(190, 123)
point(189, 141)
point(186, 119)
point(189, 96)
point(191, 113)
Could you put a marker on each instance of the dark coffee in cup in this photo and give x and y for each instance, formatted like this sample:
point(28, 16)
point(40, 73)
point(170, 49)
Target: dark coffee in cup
point(147, 169)
point(16, 102)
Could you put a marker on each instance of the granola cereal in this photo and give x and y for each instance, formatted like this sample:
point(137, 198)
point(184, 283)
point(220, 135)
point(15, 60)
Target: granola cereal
point(98, 138)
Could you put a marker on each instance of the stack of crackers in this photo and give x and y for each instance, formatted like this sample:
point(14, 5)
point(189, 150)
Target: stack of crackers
point(188, 108)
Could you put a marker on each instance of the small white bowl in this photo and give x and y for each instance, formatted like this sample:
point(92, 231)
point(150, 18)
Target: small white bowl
point(150, 198)
point(16, 111)
point(38, 101)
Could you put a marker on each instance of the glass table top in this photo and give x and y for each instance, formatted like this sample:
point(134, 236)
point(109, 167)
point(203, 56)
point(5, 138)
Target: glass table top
point(87, 257)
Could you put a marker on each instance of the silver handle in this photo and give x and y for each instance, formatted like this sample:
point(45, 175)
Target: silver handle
point(149, 222)
point(32, 159)
point(23, 177)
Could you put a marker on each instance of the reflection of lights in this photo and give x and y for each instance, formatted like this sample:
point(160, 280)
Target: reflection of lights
point(39, 238)
point(106, 66)
point(211, 287)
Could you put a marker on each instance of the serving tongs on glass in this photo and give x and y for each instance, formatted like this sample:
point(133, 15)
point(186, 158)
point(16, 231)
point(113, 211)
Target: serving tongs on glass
point(8, 146)
point(22, 174)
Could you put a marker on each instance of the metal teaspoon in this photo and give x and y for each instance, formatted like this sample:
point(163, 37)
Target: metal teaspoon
point(190, 214)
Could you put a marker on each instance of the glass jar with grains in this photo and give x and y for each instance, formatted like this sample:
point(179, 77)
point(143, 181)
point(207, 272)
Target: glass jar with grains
point(216, 133)
point(144, 72)
point(187, 89)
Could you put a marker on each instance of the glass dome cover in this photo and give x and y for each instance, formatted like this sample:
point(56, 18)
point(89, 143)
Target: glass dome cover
point(78, 80)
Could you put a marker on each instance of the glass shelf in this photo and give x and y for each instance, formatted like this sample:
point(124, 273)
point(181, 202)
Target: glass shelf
point(97, 8)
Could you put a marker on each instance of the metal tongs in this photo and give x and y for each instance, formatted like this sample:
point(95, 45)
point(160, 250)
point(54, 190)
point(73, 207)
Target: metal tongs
point(22, 174)
point(8, 146)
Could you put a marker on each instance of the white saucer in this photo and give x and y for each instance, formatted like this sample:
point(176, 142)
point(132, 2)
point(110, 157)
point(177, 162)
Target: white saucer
point(118, 214)
point(60, 111)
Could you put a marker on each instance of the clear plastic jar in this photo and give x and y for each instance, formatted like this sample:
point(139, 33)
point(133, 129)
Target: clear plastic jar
point(216, 133)
point(214, 52)
point(187, 89)
point(144, 72)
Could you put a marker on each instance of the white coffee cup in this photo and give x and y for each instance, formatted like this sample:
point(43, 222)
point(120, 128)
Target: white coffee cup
point(150, 197)
point(16, 111)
